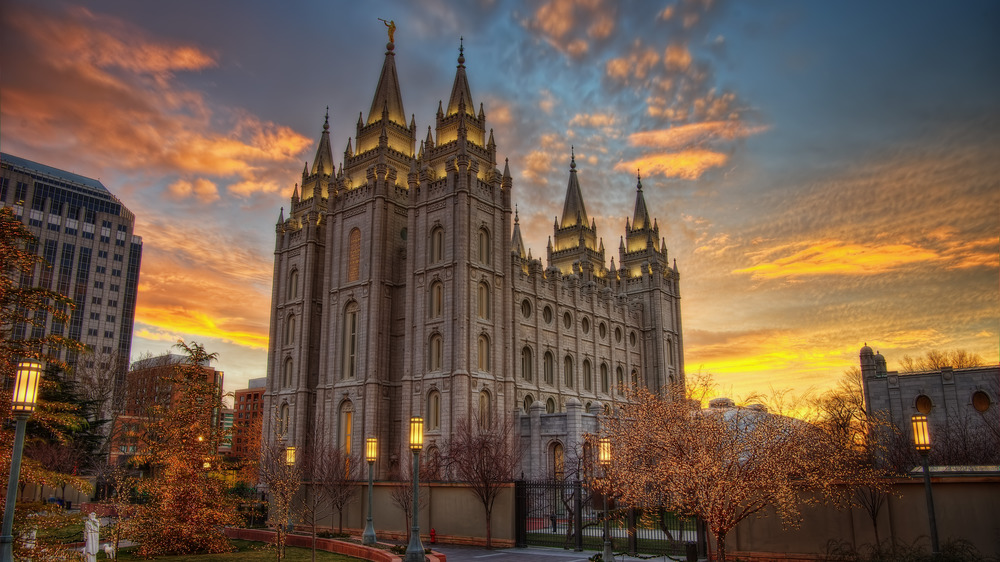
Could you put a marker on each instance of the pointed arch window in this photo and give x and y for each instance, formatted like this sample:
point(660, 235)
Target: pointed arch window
point(620, 380)
point(290, 330)
point(434, 411)
point(558, 462)
point(437, 300)
point(293, 284)
point(485, 251)
point(635, 379)
point(568, 371)
point(350, 344)
point(283, 417)
point(485, 416)
point(288, 373)
point(354, 255)
point(345, 427)
point(437, 245)
point(587, 383)
point(436, 354)
point(483, 353)
point(526, 364)
point(483, 304)
point(549, 367)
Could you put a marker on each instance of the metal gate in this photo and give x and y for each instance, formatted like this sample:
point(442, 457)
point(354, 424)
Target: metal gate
point(570, 514)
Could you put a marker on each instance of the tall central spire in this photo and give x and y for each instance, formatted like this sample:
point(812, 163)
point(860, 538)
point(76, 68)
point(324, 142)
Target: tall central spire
point(387, 96)
point(323, 163)
point(461, 95)
point(574, 211)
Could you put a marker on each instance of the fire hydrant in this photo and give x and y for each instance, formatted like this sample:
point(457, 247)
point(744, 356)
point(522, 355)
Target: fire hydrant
point(433, 536)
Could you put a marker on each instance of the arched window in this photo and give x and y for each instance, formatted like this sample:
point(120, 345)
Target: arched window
point(485, 416)
point(670, 351)
point(528, 401)
point(283, 417)
point(437, 245)
point(483, 302)
point(345, 427)
point(549, 367)
point(587, 383)
point(604, 378)
point(485, 251)
point(350, 344)
point(289, 373)
point(568, 371)
point(620, 379)
point(526, 363)
point(293, 284)
point(484, 353)
point(433, 411)
point(550, 406)
point(437, 300)
point(558, 462)
point(436, 354)
point(290, 330)
point(354, 255)
point(635, 379)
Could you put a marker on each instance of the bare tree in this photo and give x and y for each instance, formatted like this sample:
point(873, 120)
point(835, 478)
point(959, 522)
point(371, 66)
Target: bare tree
point(282, 479)
point(331, 476)
point(402, 491)
point(721, 465)
point(935, 360)
point(482, 453)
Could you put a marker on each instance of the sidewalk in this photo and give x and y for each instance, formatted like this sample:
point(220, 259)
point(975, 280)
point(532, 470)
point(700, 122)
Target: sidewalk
point(457, 553)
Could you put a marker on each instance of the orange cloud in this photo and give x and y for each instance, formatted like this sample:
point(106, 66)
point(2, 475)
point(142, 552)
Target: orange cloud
point(592, 120)
point(202, 189)
point(835, 257)
point(636, 64)
point(681, 136)
point(126, 108)
point(562, 23)
point(676, 57)
point(688, 164)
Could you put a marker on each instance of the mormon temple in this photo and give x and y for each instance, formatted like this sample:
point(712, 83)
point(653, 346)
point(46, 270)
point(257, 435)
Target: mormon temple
point(402, 287)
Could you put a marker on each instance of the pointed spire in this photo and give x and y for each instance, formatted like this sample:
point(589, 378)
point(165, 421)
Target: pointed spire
point(461, 95)
point(482, 114)
point(491, 144)
point(413, 122)
point(430, 139)
point(348, 152)
point(281, 216)
point(323, 163)
point(640, 218)
point(574, 211)
point(387, 96)
point(516, 242)
point(295, 194)
point(305, 169)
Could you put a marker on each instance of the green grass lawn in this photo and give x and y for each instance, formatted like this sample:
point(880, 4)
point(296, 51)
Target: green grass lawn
point(248, 552)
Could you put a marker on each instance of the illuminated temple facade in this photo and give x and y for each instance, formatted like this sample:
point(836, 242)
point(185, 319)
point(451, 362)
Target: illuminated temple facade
point(402, 287)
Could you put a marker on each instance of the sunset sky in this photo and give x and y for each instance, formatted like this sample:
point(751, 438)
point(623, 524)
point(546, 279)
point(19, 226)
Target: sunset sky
point(825, 174)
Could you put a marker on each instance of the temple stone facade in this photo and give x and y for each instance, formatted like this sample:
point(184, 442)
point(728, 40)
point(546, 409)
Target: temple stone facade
point(402, 287)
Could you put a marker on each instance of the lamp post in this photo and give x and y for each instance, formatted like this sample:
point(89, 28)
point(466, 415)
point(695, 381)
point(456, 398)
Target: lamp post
point(415, 550)
point(604, 457)
point(23, 403)
point(922, 442)
point(290, 456)
point(371, 451)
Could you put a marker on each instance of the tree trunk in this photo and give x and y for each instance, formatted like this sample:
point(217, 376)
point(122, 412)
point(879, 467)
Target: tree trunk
point(720, 539)
point(489, 530)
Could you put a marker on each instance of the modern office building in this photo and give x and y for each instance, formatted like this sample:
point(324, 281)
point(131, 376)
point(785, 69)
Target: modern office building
point(248, 412)
point(402, 287)
point(86, 236)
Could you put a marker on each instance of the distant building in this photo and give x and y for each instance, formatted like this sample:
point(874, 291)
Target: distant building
point(402, 287)
point(248, 411)
point(958, 402)
point(226, 424)
point(148, 384)
point(86, 236)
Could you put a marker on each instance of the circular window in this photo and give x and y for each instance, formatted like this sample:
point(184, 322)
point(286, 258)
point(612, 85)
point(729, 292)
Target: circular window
point(980, 401)
point(528, 401)
point(924, 404)
point(568, 320)
point(603, 330)
point(547, 315)
point(526, 308)
point(585, 324)
point(631, 339)
point(618, 335)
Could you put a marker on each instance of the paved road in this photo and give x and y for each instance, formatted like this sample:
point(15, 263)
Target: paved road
point(531, 554)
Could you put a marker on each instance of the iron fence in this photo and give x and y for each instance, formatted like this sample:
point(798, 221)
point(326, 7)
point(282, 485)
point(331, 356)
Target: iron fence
point(570, 514)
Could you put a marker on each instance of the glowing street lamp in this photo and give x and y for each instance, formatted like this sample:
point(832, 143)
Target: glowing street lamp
point(415, 550)
point(604, 458)
point(922, 442)
point(290, 456)
point(23, 403)
point(371, 452)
